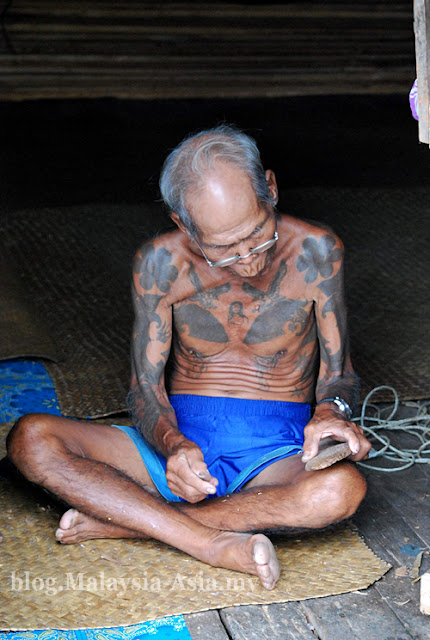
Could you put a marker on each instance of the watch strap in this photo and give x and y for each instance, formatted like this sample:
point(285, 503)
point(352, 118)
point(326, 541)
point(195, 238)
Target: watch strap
point(341, 404)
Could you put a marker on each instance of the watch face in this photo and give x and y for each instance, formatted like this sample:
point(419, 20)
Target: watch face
point(343, 407)
point(340, 404)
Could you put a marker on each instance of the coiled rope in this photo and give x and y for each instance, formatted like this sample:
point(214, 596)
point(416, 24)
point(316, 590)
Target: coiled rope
point(377, 428)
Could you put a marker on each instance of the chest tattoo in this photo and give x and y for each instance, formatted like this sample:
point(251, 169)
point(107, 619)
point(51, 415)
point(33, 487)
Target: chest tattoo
point(275, 311)
point(200, 322)
point(267, 297)
point(195, 314)
point(205, 298)
point(236, 315)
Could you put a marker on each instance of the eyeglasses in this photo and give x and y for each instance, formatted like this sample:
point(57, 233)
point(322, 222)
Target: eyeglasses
point(228, 261)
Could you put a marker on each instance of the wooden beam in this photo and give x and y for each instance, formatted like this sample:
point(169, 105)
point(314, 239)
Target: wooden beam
point(422, 49)
point(146, 50)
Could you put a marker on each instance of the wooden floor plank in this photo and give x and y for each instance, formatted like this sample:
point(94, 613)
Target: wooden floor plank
point(383, 527)
point(356, 616)
point(387, 533)
point(284, 621)
point(408, 493)
point(206, 625)
point(403, 598)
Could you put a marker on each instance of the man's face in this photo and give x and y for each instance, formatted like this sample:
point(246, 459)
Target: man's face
point(231, 221)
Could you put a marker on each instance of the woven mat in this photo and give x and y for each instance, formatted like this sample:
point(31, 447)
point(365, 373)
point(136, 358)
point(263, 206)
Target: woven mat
point(76, 264)
point(106, 583)
point(386, 233)
point(22, 330)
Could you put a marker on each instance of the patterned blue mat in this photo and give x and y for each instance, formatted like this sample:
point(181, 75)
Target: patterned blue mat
point(173, 628)
point(26, 387)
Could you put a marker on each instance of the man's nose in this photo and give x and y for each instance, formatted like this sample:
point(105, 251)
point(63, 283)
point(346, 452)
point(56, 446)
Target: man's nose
point(244, 250)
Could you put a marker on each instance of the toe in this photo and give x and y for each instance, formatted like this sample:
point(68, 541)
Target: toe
point(266, 562)
point(68, 519)
point(59, 535)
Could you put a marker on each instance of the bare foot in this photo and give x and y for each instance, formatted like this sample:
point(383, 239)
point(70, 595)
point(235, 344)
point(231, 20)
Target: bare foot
point(75, 527)
point(253, 554)
point(243, 552)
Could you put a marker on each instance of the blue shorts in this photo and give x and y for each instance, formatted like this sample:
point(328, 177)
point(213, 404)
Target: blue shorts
point(238, 438)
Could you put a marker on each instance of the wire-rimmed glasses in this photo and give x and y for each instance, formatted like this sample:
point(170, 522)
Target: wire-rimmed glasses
point(233, 259)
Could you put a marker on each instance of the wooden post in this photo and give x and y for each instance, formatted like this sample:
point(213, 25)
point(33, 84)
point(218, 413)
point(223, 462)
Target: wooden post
point(425, 594)
point(422, 50)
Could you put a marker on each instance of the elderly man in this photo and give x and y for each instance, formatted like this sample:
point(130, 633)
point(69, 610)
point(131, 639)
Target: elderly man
point(240, 326)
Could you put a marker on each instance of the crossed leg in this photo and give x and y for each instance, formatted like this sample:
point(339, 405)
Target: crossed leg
point(98, 471)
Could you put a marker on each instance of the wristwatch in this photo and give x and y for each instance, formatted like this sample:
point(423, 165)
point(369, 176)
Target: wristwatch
point(341, 404)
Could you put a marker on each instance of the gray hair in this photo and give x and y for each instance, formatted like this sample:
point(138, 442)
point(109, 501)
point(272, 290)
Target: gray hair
point(186, 166)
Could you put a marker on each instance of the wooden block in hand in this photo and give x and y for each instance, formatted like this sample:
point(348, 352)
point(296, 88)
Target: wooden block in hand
point(330, 451)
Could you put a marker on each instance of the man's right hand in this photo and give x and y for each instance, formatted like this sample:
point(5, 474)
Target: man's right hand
point(187, 474)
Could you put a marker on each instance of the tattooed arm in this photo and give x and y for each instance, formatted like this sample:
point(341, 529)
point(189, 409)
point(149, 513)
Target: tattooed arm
point(153, 274)
point(336, 376)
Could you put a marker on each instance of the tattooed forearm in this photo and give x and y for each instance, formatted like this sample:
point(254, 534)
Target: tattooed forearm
point(336, 377)
point(145, 410)
point(346, 386)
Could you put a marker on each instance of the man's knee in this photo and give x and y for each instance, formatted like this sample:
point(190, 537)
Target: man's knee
point(27, 438)
point(344, 488)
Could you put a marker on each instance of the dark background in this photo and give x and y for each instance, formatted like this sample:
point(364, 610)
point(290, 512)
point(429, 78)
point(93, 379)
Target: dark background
point(66, 152)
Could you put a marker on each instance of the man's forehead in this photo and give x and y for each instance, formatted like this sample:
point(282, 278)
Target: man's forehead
point(224, 200)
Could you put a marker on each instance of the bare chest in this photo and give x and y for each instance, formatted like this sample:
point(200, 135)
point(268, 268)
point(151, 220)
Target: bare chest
point(239, 316)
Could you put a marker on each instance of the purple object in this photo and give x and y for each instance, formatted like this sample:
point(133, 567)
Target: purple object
point(413, 100)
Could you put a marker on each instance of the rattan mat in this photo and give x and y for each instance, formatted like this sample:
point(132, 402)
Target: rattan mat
point(76, 266)
point(107, 583)
point(75, 263)
point(23, 331)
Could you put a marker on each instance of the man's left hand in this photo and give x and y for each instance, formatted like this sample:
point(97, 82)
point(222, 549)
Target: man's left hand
point(328, 422)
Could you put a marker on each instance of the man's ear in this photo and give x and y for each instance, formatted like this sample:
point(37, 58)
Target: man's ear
point(273, 187)
point(176, 219)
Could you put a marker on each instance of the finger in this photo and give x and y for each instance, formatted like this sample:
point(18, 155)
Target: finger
point(205, 475)
point(186, 493)
point(199, 467)
point(310, 449)
point(182, 471)
point(184, 490)
point(363, 453)
point(346, 432)
point(353, 441)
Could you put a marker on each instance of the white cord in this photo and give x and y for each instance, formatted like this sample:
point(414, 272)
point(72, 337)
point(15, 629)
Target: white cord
point(417, 426)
